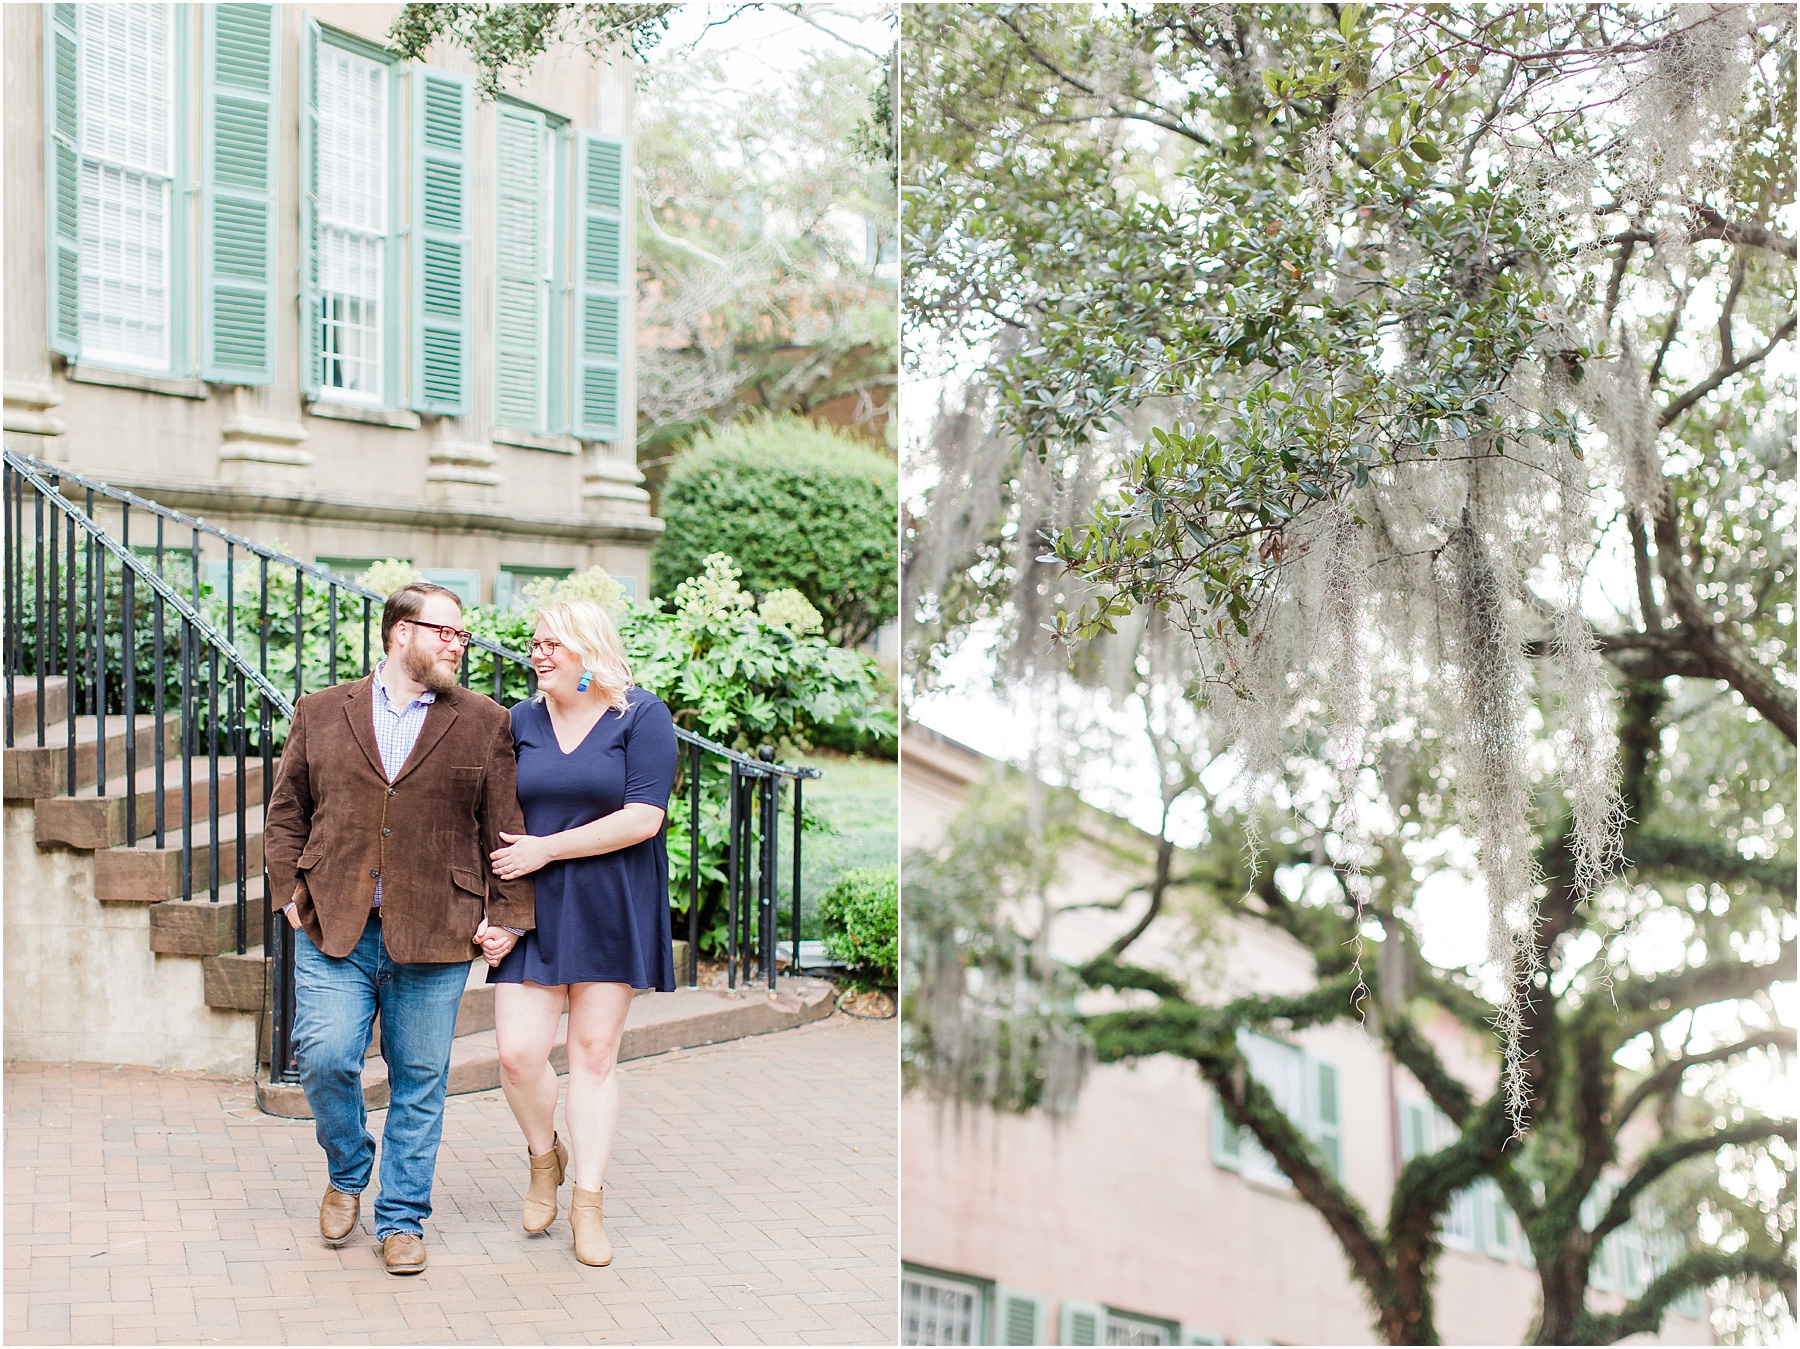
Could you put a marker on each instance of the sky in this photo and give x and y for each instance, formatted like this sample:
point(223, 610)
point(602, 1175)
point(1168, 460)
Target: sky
point(761, 47)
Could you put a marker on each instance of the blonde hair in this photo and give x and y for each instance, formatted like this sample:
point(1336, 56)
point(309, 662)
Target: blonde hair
point(587, 630)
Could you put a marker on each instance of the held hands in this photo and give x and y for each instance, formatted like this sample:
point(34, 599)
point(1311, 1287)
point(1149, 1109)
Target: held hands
point(523, 855)
point(494, 942)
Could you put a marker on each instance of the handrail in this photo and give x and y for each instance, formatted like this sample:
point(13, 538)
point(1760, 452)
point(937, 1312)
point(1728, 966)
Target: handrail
point(169, 594)
point(749, 766)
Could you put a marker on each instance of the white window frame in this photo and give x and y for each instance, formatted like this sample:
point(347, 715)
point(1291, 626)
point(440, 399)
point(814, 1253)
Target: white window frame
point(1131, 1328)
point(380, 235)
point(915, 1282)
point(92, 247)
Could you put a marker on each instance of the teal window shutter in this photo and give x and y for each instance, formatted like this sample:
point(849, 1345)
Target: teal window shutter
point(1019, 1317)
point(522, 283)
point(1083, 1323)
point(1227, 1140)
point(601, 311)
point(556, 413)
point(311, 355)
point(440, 253)
point(62, 188)
point(1326, 1125)
point(1415, 1130)
point(237, 220)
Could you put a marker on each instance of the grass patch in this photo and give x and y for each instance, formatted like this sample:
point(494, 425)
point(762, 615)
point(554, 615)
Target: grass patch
point(860, 799)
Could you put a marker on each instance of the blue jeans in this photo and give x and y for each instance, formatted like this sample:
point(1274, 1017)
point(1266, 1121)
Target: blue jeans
point(335, 1002)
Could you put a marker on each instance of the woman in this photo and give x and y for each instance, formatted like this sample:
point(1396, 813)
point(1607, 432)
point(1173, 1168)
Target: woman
point(596, 764)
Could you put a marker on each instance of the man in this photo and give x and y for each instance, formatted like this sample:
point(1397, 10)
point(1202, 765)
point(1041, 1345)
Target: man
point(392, 791)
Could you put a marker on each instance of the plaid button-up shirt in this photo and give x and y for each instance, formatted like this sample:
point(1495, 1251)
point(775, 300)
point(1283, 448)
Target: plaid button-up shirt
point(396, 732)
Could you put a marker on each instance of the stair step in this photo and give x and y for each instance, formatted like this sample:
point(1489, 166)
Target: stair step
point(146, 874)
point(199, 927)
point(656, 1024)
point(34, 771)
point(25, 703)
point(90, 820)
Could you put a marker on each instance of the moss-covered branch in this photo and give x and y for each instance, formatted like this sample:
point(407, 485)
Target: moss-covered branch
point(1672, 1152)
point(1695, 1270)
point(1668, 1077)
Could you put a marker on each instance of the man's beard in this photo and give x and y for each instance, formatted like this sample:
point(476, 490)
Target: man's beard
point(419, 665)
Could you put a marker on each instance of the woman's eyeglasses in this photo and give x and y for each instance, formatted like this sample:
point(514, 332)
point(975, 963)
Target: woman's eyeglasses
point(544, 646)
point(445, 633)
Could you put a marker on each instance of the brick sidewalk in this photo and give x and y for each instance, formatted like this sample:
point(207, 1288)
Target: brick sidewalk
point(753, 1199)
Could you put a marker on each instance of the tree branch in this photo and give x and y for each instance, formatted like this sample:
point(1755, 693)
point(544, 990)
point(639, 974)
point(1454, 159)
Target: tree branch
point(1723, 373)
point(1650, 1002)
point(1671, 1153)
point(1715, 226)
point(1696, 1269)
point(1668, 1077)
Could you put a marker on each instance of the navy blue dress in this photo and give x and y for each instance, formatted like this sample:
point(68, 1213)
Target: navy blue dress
point(601, 919)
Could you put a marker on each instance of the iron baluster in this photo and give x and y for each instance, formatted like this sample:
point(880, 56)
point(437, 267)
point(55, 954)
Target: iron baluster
point(366, 665)
point(48, 617)
point(69, 666)
point(37, 608)
point(97, 655)
point(795, 966)
point(238, 724)
point(128, 651)
point(158, 697)
point(694, 866)
point(731, 873)
point(331, 637)
point(769, 837)
point(188, 704)
point(299, 633)
point(212, 773)
point(231, 592)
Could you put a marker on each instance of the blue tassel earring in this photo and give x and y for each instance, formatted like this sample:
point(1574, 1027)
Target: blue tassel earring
point(587, 677)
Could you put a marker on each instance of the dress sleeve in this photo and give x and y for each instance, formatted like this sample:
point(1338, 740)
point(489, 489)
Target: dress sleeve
point(650, 755)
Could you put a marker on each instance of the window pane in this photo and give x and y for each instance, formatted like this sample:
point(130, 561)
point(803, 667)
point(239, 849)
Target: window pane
point(352, 222)
point(1122, 1330)
point(124, 201)
point(936, 1311)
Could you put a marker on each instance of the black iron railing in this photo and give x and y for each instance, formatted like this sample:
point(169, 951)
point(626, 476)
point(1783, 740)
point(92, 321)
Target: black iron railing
point(68, 537)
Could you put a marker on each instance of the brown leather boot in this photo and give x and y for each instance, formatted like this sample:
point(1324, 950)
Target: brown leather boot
point(540, 1191)
point(592, 1245)
point(337, 1214)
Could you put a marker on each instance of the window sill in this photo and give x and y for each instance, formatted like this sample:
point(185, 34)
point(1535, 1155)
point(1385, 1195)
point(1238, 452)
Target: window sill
point(399, 418)
point(531, 440)
point(134, 379)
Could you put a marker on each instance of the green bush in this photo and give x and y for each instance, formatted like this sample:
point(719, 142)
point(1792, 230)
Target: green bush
point(798, 507)
point(860, 916)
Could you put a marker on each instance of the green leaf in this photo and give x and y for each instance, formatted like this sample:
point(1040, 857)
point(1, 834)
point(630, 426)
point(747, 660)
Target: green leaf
point(1424, 149)
point(1273, 82)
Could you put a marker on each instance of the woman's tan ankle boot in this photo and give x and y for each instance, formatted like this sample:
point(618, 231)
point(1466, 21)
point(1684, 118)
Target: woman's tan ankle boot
point(540, 1193)
point(592, 1245)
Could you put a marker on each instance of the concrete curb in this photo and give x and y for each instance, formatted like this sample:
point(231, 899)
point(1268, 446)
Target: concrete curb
point(658, 1023)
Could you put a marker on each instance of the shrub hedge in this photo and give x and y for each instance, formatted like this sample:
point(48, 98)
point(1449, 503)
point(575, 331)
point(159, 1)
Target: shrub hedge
point(796, 506)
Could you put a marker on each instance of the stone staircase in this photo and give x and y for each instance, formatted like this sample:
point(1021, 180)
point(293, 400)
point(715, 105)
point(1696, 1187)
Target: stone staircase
point(144, 976)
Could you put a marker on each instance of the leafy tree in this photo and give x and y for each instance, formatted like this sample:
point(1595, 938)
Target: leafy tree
point(798, 507)
point(507, 40)
point(1341, 341)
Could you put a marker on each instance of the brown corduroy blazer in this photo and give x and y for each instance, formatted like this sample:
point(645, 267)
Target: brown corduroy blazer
point(335, 822)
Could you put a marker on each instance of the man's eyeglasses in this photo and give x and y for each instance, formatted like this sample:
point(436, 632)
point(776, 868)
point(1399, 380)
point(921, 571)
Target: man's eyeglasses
point(445, 633)
point(544, 646)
